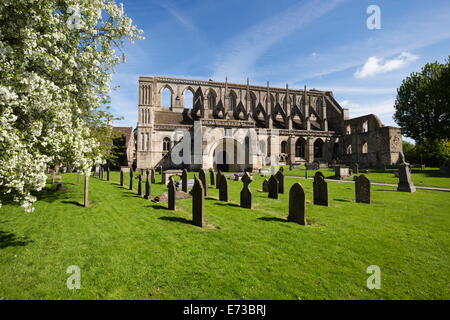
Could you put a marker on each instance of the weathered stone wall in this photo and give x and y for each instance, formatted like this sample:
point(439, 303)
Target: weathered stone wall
point(311, 125)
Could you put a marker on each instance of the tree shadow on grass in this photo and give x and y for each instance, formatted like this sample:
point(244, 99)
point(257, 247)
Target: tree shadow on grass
point(11, 240)
point(176, 219)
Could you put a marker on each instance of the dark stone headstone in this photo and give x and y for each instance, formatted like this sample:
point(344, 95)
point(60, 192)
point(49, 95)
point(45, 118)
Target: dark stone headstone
point(184, 181)
point(218, 174)
point(405, 183)
point(140, 185)
point(223, 188)
point(273, 187)
point(212, 177)
point(171, 194)
point(202, 177)
point(355, 168)
point(297, 204)
point(121, 178)
point(108, 173)
point(147, 188)
point(152, 176)
point(280, 178)
point(246, 194)
point(265, 187)
point(362, 189)
point(320, 187)
point(131, 178)
point(281, 169)
point(198, 199)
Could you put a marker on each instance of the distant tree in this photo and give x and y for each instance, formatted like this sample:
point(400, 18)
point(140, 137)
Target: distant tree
point(423, 104)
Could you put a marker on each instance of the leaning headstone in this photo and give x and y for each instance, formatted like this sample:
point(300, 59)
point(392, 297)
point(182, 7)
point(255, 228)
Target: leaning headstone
point(212, 177)
point(198, 199)
point(273, 187)
point(131, 178)
point(280, 178)
point(184, 181)
point(171, 194)
point(297, 204)
point(265, 186)
point(147, 188)
point(202, 177)
point(223, 188)
point(320, 188)
point(246, 194)
point(362, 189)
point(405, 183)
point(218, 174)
point(140, 185)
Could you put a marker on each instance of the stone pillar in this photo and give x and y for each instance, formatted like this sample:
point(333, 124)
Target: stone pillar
point(309, 150)
point(292, 149)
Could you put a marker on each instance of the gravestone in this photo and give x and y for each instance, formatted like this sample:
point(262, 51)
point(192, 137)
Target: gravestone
point(121, 178)
point(273, 170)
point(246, 194)
point(265, 187)
point(152, 176)
point(362, 189)
point(140, 185)
point(202, 177)
point(198, 199)
point(218, 174)
point(147, 188)
point(281, 169)
point(131, 178)
point(171, 194)
point(184, 181)
point(355, 168)
point(223, 188)
point(273, 187)
point(108, 173)
point(280, 178)
point(212, 177)
point(297, 204)
point(320, 187)
point(405, 183)
point(341, 172)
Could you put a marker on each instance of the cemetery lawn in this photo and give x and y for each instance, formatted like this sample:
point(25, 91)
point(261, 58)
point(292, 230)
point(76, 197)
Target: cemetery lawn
point(130, 248)
point(430, 177)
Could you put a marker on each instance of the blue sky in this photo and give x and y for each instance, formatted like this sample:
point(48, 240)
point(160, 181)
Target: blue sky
point(323, 44)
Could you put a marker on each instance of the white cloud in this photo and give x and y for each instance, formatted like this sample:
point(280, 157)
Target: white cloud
point(374, 65)
point(179, 15)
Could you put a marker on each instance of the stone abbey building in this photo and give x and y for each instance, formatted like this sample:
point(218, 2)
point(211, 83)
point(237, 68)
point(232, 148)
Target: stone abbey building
point(292, 126)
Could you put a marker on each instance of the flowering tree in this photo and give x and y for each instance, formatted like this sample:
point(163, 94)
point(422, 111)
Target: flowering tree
point(56, 61)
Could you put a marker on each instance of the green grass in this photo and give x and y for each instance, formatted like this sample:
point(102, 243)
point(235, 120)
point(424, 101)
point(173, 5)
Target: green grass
point(430, 177)
point(130, 248)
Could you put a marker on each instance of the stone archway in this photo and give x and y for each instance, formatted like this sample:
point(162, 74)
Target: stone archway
point(229, 155)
